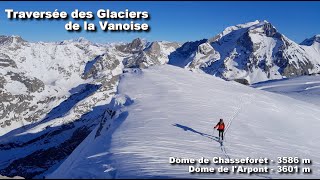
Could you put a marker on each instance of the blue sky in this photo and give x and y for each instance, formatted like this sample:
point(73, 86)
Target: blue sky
point(171, 21)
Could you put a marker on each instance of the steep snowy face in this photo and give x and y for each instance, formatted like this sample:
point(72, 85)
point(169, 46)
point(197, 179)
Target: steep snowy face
point(236, 28)
point(253, 52)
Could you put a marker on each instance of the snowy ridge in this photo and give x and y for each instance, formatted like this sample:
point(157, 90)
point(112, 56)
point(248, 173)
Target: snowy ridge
point(249, 25)
point(172, 116)
point(311, 41)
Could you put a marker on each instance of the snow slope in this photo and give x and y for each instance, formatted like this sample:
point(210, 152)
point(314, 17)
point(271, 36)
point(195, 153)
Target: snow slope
point(167, 111)
point(304, 88)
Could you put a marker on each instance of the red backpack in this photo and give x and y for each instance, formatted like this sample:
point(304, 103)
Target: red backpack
point(220, 126)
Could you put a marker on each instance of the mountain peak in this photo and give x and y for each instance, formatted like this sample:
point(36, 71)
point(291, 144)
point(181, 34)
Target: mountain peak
point(11, 39)
point(81, 39)
point(311, 41)
point(138, 41)
point(262, 26)
point(255, 23)
point(137, 44)
point(76, 40)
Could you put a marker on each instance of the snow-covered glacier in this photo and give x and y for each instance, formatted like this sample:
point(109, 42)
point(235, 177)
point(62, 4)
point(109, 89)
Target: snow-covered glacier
point(172, 113)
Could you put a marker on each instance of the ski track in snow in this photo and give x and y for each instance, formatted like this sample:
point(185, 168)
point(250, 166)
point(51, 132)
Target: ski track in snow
point(242, 103)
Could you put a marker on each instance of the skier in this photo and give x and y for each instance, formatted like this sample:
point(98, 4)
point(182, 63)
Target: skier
point(220, 128)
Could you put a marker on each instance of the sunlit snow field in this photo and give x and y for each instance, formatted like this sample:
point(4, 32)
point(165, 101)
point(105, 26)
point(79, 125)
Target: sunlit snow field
point(172, 115)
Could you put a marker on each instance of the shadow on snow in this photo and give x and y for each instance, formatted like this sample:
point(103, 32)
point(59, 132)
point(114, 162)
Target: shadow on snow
point(186, 128)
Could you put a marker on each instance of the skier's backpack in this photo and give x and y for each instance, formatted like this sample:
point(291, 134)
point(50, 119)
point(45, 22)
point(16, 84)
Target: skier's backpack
point(221, 126)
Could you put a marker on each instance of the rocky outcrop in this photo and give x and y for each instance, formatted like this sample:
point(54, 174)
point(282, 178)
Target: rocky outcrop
point(6, 40)
point(2, 81)
point(5, 61)
point(183, 55)
point(144, 54)
point(204, 57)
point(105, 62)
point(33, 84)
point(135, 46)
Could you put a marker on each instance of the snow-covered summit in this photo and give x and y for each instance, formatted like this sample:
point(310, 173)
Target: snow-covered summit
point(11, 40)
point(252, 52)
point(246, 26)
point(311, 41)
point(81, 40)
